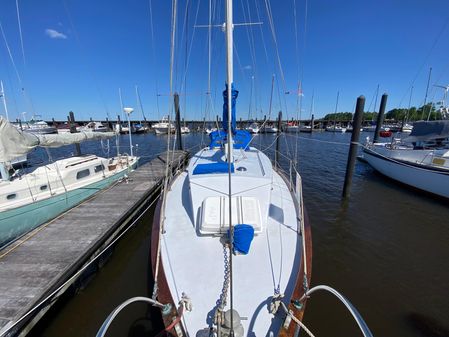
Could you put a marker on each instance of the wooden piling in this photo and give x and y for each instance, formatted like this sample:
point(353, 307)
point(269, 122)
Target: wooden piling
point(178, 121)
point(71, 120)
point(119, 122)
point(276, 153)
point(354, 145)
point(312, 121)
point(380, 117)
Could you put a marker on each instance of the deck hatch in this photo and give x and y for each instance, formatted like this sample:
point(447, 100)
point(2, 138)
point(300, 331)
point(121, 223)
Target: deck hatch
point(215, 214)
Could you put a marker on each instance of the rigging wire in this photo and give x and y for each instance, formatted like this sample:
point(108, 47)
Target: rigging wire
point(154, 56)
point(278, 57)
point(20, 31)
point(183, 83)
point(434, 44)
point(19, 78)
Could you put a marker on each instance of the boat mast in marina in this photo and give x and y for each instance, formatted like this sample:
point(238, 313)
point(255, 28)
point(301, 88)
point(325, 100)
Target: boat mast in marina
point(3, 96)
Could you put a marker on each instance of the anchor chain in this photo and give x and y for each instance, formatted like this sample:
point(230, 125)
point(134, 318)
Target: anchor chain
point(222, 301)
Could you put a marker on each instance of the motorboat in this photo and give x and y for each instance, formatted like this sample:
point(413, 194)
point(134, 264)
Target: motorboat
point(38, 127)
point(92, 127)
point(407, 128)
point(292, 127)
point(163, 126)
point(253, 128)
point(269, 128)
point(141, 128)
point(335, 128)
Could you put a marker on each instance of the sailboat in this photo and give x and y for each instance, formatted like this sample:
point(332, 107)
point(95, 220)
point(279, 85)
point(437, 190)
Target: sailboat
point(231, 248)
point(29, 199)
point(420, 160)
point(235, 222)
point(20, 161)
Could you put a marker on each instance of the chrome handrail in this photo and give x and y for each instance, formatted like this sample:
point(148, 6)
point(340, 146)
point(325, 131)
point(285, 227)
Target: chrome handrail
point(354, 312)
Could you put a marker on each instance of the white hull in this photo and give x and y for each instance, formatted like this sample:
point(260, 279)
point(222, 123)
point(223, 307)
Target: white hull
point(41, 195)
point(423, 177)
point(163, 130)
point(336, 129)
point(190, 260)
point(292, 128)
point(269, 130)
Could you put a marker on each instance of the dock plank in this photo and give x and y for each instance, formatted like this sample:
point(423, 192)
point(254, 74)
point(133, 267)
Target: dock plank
point(41, 261)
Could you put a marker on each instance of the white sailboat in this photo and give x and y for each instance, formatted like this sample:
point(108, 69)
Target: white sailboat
point(231, 241)
point(420, 160)
point(191, 245)
point(32, 198)
point(21, 160)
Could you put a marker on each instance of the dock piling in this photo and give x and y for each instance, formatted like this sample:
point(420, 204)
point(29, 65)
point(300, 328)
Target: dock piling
point(178, 121)
point(71, 120)
point(276, 153)
point(380, 117)
point(354, 145)
point(312, 122)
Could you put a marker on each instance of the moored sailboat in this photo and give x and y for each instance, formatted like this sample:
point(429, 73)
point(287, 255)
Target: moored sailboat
point(420, 160)
point(231, 243)
point(32, 198)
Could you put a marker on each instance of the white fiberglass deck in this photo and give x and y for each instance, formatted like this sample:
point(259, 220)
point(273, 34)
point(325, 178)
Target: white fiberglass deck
point(194, 264)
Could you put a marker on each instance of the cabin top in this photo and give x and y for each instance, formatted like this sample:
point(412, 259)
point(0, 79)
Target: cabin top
point(212, 163)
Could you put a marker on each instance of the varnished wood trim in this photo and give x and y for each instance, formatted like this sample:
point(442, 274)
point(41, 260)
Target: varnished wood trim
point(299, 290)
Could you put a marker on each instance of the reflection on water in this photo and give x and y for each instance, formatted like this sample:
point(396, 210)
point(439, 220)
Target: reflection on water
point(385, 249)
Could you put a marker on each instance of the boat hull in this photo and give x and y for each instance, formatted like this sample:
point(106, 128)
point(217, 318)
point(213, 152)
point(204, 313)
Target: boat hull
point(422, 177)
point(18, 221)
point(168, 295)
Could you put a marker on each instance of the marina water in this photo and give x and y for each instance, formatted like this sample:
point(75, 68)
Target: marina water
point(386, 249)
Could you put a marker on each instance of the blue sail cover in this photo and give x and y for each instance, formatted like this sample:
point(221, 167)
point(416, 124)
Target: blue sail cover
point(235, 94)
point(241, 139)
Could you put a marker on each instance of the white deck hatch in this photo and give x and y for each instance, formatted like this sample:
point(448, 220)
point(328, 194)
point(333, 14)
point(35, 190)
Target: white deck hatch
point(215, 214)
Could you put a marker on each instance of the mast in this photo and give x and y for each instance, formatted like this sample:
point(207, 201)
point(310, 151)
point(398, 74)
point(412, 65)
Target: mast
point(229, 59)
point(3, 96)
point(375, 102)
point(425, 97)
point(229, 77)
point(336, 108)
point(139, 102)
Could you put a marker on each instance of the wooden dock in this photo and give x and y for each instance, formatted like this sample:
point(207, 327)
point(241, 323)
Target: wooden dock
point(44, 263)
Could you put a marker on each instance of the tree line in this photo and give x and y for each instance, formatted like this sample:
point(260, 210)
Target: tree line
point(397, 114)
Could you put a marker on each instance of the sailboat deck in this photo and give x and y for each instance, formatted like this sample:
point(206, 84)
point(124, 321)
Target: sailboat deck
point(194, 264)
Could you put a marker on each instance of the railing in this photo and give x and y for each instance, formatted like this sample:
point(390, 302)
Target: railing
point(354, 312)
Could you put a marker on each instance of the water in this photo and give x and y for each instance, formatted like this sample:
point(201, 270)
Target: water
point(386, 250)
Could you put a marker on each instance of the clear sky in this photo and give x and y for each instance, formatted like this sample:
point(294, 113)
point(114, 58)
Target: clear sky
point(78, 53)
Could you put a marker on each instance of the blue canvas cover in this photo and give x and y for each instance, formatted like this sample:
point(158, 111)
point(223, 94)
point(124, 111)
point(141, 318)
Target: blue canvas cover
point(243, 236)
point(235, 94)
point(241, 139)
point(212, 168)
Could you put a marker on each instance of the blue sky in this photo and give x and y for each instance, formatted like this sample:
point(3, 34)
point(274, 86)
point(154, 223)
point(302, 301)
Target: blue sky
point(77, 54)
